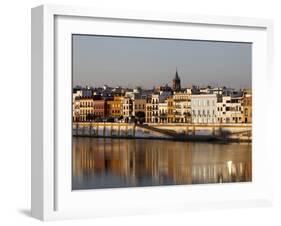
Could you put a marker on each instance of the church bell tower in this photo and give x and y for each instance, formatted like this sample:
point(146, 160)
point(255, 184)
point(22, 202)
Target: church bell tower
point(176, 82)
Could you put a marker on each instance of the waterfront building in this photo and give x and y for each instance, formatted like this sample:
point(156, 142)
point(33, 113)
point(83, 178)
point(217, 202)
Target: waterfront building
point(247, 106)
point(204, 108)
point(76, 109)
point(127, 108)
point(114, 107)
point(230, 109)
point(182, 111)
point(176, 82)
point(163, 112)
point(148, 111)
point(138, 106)
point(170, 110)
point(86, 108)
point(99, 109)
point(155, 114)
point(155, 100)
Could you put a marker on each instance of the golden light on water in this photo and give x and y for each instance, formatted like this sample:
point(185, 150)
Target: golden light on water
point(109, 163)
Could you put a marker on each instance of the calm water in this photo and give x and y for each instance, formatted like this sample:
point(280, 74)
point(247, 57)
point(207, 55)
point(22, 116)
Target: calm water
point(110, 163)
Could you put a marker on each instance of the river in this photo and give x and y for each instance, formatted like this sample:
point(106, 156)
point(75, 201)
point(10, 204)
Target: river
point(112, 163)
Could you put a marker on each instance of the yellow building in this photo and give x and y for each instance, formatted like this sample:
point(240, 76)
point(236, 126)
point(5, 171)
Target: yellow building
point(114, 107)
point(247, 105)
point(170, 108)
point(138, 106)
point(148, 111)
point(182, 108)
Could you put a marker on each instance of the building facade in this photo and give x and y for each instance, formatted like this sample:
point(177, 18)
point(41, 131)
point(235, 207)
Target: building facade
point(182, 108)
point(127, 108)
point(114, 107)
point(230, 110)
point(138, 106)
point(247, 105)
point(76, 109)
point(86, 108)
point(204, 108)
point(163, 112)
point(100, 109)
point(148, 111)
point(170, 110)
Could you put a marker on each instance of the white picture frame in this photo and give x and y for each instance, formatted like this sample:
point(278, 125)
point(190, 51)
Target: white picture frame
point(52, 197)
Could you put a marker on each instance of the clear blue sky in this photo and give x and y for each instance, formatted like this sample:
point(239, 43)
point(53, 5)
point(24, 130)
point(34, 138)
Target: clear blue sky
point(130, 62)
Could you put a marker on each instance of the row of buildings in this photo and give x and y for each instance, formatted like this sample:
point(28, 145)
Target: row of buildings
point(163, 104)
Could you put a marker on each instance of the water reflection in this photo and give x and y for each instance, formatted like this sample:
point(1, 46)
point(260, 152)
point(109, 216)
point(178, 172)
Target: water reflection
point(108, 163)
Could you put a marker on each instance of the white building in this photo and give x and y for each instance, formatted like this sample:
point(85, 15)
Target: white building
point(230, 110)
point(127, 109)
point(204, 108)
point(76, 109)
point(156, 99)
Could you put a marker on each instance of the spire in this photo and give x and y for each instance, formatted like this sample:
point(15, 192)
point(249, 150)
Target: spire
point(177, 82)
point(176, 76)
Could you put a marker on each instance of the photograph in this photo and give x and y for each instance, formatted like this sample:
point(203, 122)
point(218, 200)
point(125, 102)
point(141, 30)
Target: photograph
point(150, 111)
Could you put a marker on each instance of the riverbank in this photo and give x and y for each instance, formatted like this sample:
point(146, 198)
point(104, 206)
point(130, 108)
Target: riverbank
point(178, 132)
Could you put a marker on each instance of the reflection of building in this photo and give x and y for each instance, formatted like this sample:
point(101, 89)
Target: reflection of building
point(156, 164)
point(204, 108)
point(176, 82)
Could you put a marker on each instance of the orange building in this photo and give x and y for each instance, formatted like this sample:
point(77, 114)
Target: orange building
point(170, 110)
point(114, 107)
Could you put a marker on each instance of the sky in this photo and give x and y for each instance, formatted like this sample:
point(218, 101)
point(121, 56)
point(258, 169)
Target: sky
point(147, 62)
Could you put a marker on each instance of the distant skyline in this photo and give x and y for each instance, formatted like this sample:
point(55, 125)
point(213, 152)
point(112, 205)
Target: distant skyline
point(147, 62)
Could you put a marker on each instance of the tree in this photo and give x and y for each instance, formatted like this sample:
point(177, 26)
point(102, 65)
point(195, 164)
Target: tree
point(90, 117)
point(140, 116)
point(110, 119)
